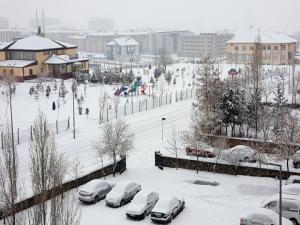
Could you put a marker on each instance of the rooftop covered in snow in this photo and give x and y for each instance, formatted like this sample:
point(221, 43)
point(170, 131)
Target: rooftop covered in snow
point(63, 59)
point(123, 41)
point(252, 35)
point(16, 63)
point(36, 43)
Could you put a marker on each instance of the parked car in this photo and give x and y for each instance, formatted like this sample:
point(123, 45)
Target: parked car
point(296, 160)
point(262, 216)
point(292, 189)
point(94, 191)
point(199, 152)
point(167, 209)
point(239, 153)
point(293, 180)
point(290, 206)
point(142, 204)
point(122, 193)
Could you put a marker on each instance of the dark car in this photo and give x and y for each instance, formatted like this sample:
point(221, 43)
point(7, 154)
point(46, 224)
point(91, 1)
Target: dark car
point(167, 209)
point(199, 152)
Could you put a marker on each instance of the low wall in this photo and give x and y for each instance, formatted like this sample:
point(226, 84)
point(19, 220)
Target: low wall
point(34, 200)
point(164, 161)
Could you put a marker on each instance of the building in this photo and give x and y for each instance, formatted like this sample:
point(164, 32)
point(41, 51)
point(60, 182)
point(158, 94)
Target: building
point(9, 35)
point(33, 56)
point(101, 24)
point(4, 23)
point(273, 48)
point(203, 45)
point(123, 50)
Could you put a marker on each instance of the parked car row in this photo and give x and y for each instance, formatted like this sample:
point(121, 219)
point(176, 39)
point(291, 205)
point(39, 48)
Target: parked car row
point(267, 214)
point(143, 202)
point(239, 153)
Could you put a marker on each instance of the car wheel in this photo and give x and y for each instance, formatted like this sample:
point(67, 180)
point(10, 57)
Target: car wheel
point(294, 221)
point(246, 159)
point(96, 199)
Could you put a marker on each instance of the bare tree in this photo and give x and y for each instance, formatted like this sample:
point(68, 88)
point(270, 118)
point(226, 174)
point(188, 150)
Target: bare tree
point(174, 144)
point(266, 122)
point(8, 176)
point(289, 135)
point(102, 104)
point(101, 152)
point(48, 169)
point(116, 140)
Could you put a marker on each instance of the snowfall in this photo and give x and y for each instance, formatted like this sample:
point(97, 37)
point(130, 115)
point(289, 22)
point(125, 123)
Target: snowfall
point(205, 204)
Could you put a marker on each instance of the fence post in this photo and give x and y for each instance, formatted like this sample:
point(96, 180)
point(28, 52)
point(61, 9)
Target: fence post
point(181, 95)
point(57, 126)
point(31, 133)
point(171, 98)
point(146, 103)
point(2, 145)
point(107, 114)
point(125, 109)
point(153, 103)
point(18, 133)
point(139, 105)
point(68, 127)
point(176, 100)
point(131, 107)
point(166, 99)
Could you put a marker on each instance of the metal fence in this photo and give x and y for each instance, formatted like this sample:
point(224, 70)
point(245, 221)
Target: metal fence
point(148, 103)
point(25, 135)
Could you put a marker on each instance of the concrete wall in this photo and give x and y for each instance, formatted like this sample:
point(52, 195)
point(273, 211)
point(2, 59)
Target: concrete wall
point(164, 161)
point(34, 200)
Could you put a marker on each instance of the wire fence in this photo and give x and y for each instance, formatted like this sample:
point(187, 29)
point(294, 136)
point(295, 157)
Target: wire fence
point(129, 108)
point(25, 135)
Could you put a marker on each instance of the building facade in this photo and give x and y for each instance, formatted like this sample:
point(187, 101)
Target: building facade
point(203, 45)
point(270, 48)
point(123, 50)
point(35, 56)
point(101, 24)
point(9, 35)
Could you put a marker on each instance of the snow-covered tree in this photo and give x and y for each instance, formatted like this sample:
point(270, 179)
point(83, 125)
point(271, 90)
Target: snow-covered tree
point(116, 140)
point(62, 90)
point(174, 144)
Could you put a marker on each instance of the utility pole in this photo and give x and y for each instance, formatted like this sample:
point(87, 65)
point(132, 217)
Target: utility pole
point(162, 128)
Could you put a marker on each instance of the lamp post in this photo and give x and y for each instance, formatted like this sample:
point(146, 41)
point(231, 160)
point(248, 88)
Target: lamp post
point(73, 90)
point(162, 128)
point(280, 190)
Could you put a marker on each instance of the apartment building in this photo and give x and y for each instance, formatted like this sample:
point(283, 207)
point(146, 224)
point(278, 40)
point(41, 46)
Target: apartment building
point(273, 48)
point(202, 45)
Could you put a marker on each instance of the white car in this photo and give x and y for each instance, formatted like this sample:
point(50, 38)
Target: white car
point(122, 193)
point(290, 206)
point(142, 204)
point(167, 209)
point(293, 180)
point(262, 216)
point(292, 189)
point(94, 191)
point(239, 153)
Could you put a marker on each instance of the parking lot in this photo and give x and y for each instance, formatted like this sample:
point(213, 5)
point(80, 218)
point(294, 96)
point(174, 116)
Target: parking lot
point(205, 204)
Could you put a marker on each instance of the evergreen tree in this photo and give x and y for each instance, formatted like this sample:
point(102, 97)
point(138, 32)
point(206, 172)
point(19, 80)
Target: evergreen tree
point(62, 89)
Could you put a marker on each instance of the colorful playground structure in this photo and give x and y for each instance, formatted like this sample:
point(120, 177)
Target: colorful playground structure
point(133, 89)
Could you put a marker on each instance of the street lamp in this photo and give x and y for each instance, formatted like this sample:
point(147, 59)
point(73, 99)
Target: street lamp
point(280, 190)
point(162, 128)
point(73, 90)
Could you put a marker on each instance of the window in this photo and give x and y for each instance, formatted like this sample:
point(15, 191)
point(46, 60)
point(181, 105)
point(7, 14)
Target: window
point(244, 48)
point(271, 205)
point(283, 47)
point(236, 48)
point(30, 72)
point(252, 48)
point(269, 47)
point(275, 47)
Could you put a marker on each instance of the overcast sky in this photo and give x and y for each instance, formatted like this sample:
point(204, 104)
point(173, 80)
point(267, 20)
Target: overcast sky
point(197, 15)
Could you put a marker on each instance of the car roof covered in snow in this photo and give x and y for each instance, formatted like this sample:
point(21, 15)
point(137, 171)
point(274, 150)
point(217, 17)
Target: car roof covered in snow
point(91, 185)
point(164, 204)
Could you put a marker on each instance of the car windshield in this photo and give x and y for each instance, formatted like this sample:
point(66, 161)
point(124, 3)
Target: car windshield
point(140, 199)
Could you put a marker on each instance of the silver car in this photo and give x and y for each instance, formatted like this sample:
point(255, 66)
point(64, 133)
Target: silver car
point(122, 193)
point(142, 204)
point(94, 191)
